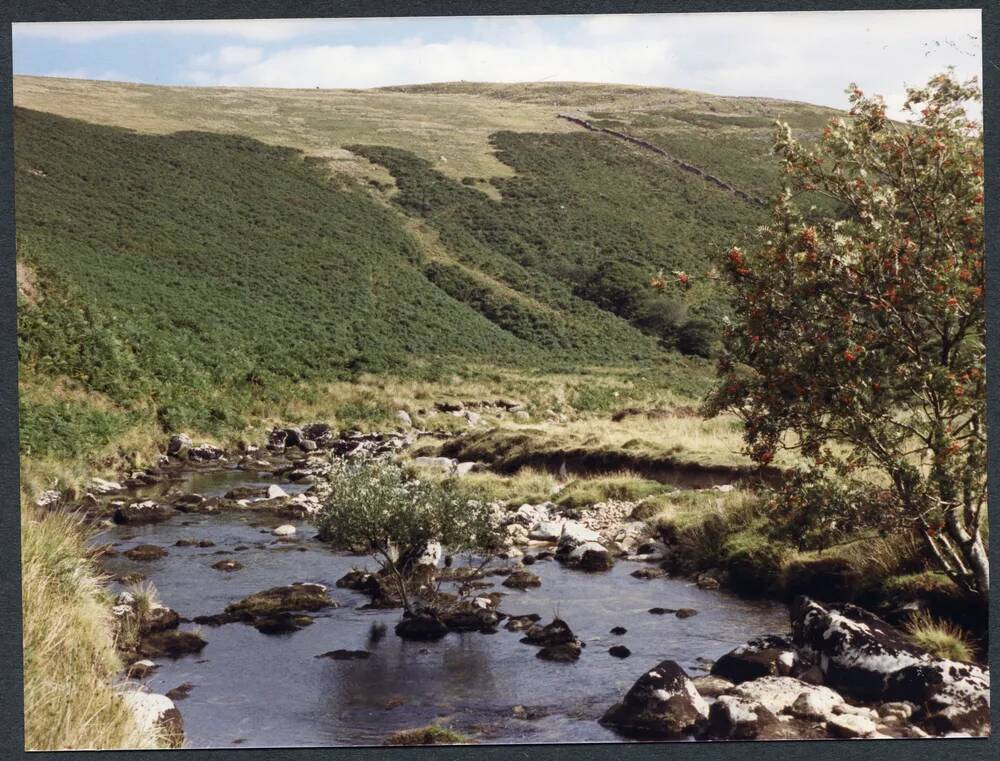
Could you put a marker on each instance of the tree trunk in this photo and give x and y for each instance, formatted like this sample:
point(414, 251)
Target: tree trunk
point(970, 543)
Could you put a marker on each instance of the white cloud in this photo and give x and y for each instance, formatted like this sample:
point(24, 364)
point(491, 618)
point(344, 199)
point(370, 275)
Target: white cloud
point(260, 30)
point(107, 75)
point(415, 62)
point(228, 57)
point(799, 56)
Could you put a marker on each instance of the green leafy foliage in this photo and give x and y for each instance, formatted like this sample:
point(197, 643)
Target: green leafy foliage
point(378, 507)
point(862, 334)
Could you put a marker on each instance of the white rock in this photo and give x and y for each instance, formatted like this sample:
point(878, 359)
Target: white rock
point(274, 492)
point(581, 549)
point(472, 417)
point(778, 693)
point(849, 725)
point(102, 486)
point(284, 530)
point(463, 468)
point(574, 534)
point(148, 708)
point(48, 498)
point(817, 704)
point(404, 417)
point(546, 531)
point(530, 515)
point(723, 487)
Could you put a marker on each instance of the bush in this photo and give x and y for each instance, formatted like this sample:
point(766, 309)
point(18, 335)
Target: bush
point(377, 506)
point(697, 337)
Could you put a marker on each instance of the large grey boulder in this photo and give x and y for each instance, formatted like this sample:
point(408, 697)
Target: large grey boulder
point(663, 703)
point(856, 650)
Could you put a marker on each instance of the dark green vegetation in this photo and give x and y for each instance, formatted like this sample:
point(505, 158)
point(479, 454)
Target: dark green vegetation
point(186, 276)
point(584, 223)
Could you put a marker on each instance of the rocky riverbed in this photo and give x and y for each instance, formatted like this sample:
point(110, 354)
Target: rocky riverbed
point(261, 634)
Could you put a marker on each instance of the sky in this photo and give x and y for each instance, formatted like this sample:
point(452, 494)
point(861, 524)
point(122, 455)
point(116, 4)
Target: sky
point(798, 56)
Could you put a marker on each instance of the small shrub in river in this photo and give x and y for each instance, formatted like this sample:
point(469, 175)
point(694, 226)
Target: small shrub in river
point(378, 506)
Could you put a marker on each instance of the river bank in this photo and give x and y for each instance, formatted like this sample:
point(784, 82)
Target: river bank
point(247, 511)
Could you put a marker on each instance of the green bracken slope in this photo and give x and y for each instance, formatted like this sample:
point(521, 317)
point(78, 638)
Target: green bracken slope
point(176, 275)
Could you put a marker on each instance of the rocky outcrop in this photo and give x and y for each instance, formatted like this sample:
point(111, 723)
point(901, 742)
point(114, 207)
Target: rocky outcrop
point(663, 703)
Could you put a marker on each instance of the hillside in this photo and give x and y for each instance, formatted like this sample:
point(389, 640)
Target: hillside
point(184, 251)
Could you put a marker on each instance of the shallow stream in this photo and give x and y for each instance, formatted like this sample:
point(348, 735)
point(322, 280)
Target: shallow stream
point(254, 689)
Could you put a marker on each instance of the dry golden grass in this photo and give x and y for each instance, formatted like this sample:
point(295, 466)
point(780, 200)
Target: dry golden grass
point(69, 657)
point(450, 130)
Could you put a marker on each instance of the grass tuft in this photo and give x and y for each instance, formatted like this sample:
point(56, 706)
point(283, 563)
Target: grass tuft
point(939, 637)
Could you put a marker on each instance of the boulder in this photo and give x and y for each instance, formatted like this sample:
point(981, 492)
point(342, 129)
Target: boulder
point(284, 530)
point(857, 650)
point(574, 534)
point(567, 652)
point(156, 714)
point(686, 613)
point(779, 693)
point(404, 418)
point(709, 686)
point(178, 445)
point(275, 492)
point(619, 651)
point(145, 552)
point(464, 468)
point(663, 703)
point(517, 534)
point(736, 718)
point(205, 453)
point(522, 580)
point(850, 726)
point(591, 556)
point(170, 644)
point(530, 515)
point(769, 655)
point(227, 565)
point(817, 704)
point(422, 627)
point(555, 633)
point(546, 531)
point(320, 434)
point(281, 622)
point(296, 597)
point(137, 513)
point(48, 499)
point(619, 630)
point(953, 696)
point(521, 623)
point(142, 669)
point(102, 486)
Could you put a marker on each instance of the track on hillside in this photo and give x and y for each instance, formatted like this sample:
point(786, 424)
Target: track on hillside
point(690, 168)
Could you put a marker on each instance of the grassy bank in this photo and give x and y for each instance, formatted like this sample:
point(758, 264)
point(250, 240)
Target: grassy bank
point(70, 660)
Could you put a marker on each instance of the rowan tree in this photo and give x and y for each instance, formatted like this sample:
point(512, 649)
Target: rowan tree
point(858, 334)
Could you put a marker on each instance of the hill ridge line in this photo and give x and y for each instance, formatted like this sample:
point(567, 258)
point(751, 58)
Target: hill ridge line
point(680, 163)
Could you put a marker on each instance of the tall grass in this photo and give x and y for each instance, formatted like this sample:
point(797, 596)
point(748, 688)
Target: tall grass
point(69, 657)
point(939, 637)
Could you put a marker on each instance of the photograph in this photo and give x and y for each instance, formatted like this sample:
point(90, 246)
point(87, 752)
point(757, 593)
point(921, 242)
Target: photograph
point(501, 380)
